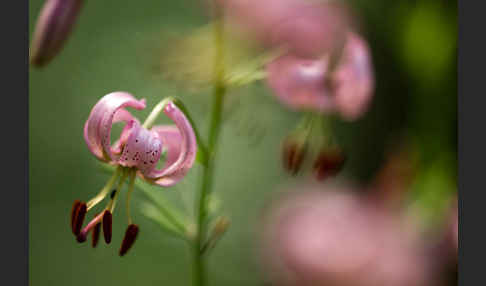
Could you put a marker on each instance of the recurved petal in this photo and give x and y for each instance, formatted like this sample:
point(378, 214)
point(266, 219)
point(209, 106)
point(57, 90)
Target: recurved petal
point(107, 111)
point(354, 78)
point(181, 146)
point(171, 139)
point(54, 24)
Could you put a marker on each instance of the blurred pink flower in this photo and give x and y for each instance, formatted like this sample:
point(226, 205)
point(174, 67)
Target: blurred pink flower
point(304, 84)
point(306, 28)
point(53, 27)
point(335, 237)
point(137, 146)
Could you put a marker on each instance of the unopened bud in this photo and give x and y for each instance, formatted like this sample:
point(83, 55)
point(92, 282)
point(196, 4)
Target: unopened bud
point(53, 27)
point(221, 226)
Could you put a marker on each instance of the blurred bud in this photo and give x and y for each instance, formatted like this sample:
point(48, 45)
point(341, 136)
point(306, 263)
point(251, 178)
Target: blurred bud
point(53, 27)
point(220, 227)
point(304, 84)
point(328, 163)
point(335, 237)
point(293, 154)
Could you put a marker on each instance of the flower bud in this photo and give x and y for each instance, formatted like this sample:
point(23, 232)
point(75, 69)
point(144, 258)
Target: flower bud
point(221, 226)
point(53, 27)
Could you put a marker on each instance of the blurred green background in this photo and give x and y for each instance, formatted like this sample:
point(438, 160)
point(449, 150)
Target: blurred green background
point(115, 46)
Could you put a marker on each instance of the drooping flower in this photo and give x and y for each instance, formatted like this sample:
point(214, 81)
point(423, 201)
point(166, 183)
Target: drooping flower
point(333, 236)
point(53, 27)
point(137, 152)
point(304, 84)
point(305, 28)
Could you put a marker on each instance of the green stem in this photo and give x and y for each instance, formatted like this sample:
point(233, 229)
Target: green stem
point(219, 91)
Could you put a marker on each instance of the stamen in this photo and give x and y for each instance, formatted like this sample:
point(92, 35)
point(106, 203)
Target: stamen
point(107, 221)
point(328, 164)
point(73, 213)
point(95, 221)
point(102, 194)
point(96, 235)
point(129, 239)
point(79, 218)
point(130, 190)
point(112, 203)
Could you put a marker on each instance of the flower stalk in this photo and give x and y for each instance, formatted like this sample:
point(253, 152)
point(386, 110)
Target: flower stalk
point(199, 275)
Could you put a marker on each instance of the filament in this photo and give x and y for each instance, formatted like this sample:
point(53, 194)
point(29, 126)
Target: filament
point(102, 194)
point(112, 203)
point(130, 190)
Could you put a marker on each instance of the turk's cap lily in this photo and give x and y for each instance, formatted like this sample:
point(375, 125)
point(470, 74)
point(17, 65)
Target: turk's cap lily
point(139, 147)
point(55, 23)
point(137, 151)
point(308, 84)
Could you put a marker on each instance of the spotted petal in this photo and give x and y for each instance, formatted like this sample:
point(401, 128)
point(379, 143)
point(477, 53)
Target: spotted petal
point(180, 143)
point(142, 149)
point(108, 110)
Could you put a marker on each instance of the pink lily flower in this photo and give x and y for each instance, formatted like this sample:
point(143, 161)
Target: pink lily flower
point(137, 152)
point(53, 27)
point(333, 236)
point(305, 28)
point(304, 84)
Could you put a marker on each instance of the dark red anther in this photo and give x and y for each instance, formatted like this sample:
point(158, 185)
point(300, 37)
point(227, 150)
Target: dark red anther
point(79, 218)
point(107, 221)
point(293, 155)
point(96, 235)
point(328, 164)
point(129, 239)
point(73, 213)
point(81, 237)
